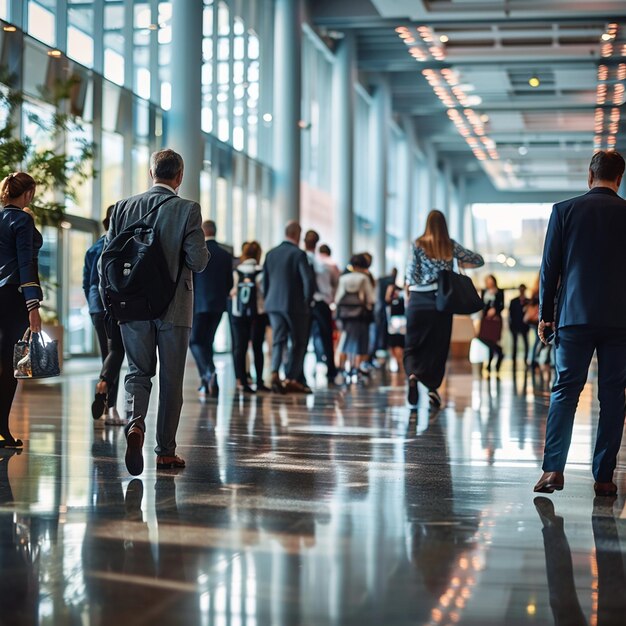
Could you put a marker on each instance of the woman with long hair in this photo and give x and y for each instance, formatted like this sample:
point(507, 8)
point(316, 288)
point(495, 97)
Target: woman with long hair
point(20, 291)
point(491, 323)
point(428, 331)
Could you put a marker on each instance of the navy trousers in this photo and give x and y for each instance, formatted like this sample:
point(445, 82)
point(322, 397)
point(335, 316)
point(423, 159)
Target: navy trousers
point(575, 346)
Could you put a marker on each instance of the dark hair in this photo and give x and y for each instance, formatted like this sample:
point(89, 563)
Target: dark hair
point(495, 280)
point(436, 241)
point(107, 217)
point(360, 261)
point(14, 185)
point(522, 286)
point(607, 165)
point(311, 239)
point(251, 250)
point(209, 228)
point(166, 164)
point(324, 249)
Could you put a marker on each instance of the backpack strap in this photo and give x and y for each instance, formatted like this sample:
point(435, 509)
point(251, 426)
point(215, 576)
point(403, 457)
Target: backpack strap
point(152, 210)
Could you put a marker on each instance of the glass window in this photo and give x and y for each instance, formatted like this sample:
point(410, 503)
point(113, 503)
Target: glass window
point(4, 9)
point(80, 35)
point(141, 165)
point(114, 43)
point(112, 173)
point(82, 204)
point(41, 22)
point(141, 50)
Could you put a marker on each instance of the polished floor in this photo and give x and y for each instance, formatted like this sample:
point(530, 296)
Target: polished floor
point(338, 508)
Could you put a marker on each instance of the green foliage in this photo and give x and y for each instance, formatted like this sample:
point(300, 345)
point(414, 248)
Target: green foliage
point(59, 170)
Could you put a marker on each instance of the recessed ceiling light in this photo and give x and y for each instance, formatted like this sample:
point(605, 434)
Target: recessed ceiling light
point(533, 81)
point(9, 28)
point(54, 53)
point(444, 38)
point(484, 118)
point(523, 150)
point(153, 27)
point(607, 36)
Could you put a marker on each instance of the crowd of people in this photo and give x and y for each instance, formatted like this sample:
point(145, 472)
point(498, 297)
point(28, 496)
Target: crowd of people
point(300, 294)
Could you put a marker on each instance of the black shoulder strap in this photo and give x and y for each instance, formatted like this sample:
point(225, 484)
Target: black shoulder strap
point(152, 210)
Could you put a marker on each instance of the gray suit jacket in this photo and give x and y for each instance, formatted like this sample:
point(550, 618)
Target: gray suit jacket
point(178, 225)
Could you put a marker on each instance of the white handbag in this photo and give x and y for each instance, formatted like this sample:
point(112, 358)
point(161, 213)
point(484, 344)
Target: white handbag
point(479, 352)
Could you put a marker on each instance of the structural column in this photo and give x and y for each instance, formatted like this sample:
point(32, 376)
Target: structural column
point(381, 107)
point(184, 129)
point(343, 133)
point(286, 118)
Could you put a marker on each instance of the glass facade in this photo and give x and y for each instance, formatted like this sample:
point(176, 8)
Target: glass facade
point(120, 54)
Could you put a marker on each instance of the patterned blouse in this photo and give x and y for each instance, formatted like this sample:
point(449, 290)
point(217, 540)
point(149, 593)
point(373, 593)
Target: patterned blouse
point(423, 271)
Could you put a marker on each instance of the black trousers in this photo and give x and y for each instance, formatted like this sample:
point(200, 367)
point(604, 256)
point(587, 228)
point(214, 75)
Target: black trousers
point(427, 340)
point(13, 324)
point(322, 334)
point(516, 334)
point(112, 352)
point(246, 330)
point(201, 342)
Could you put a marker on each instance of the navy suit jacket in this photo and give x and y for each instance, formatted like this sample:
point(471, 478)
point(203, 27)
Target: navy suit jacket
point(583, 262)
point(91, 278)
point(212, 286)
point(288, 280)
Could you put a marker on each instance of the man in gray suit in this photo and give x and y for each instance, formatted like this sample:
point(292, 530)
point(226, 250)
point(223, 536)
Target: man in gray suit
point(178, 225)
point(289, 285)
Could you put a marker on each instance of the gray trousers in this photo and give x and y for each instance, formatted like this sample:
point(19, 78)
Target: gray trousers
point(142, 341)
point(285, 327)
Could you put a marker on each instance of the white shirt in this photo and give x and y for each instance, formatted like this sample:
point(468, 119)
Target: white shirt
point(165, 187)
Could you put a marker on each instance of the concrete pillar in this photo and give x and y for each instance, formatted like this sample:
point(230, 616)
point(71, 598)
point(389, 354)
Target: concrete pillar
point(287, 94)
point(184, 134)
point(343, 154)
point(448, 192)
point(381, 109)
point(462, 206)
point(432, 177)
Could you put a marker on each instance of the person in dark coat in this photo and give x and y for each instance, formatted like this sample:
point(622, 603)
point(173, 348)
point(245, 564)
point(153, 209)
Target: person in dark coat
point(289, 285)
point(582, 307)
point(211, 289)
point(519, 328)
point(103, 408)
point(20, 291)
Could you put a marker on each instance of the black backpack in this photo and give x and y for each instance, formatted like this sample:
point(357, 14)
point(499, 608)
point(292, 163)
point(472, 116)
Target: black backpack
point(135, 273)
point(246, 304)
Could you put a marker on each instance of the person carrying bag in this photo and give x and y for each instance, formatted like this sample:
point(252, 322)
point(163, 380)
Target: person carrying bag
point(20, 291)
point(435, 292)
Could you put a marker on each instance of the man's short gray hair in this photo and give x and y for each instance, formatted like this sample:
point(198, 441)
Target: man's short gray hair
point(166, 164)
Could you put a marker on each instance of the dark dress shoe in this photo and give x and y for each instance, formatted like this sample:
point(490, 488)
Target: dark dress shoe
point(434, 398)
point(99, 405)
point(605, 489)
point(550, 482)
point(293, 386)
point(10, 443)
point(214, 388)
point(246, 389)
point(413, 395)
point(262, 388)
point(134, 456)
point(169, 462)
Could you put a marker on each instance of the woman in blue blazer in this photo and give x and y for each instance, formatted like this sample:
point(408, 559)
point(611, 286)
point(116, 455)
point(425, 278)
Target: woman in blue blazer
point(20, 291)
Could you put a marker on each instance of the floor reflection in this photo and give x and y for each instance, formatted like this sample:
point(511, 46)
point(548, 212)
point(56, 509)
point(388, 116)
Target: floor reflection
point(340, 508)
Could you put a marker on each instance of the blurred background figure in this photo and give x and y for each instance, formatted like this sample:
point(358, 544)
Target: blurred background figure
point(519, 328)
point(491, 322)
point(395, 328)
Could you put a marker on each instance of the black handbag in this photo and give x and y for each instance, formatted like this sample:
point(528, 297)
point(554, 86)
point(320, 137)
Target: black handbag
point(456, 294)
point(35, 358)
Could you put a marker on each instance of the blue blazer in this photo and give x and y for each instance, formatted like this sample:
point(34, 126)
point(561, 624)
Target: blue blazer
point(20, 243)
point(91, 279)
point(582, 279)
point(211, 287)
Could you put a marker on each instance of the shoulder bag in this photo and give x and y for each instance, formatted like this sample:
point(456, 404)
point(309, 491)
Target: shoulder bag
point(456, 293)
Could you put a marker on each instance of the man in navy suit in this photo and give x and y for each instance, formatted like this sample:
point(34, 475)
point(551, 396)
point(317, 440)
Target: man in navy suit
point(583, 298)
point(289, 285)
point(211, 290)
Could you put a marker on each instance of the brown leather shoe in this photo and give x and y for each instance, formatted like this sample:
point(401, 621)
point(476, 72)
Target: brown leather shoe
point(170, 462)
point(550, 482)
point(293, 386)
point(134, 445)
point(605, 489)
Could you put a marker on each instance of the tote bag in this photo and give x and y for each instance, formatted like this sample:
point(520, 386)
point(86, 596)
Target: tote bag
point(36, 357)
point(456, 293)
